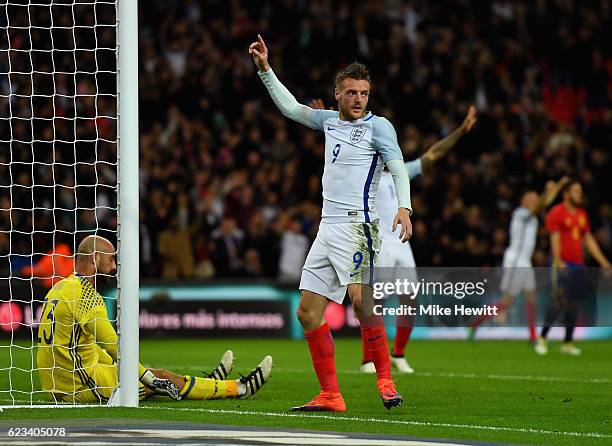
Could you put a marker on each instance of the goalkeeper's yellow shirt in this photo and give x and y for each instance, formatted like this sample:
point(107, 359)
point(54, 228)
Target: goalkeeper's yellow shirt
point(73, 326)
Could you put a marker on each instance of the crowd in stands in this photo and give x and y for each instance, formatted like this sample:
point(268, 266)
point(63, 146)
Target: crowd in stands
point(232, 189)
point(58, 151)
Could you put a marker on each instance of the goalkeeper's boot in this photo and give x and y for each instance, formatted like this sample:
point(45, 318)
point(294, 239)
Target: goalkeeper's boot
point(226, 364)
point(388, 393)
point(323, 402)
point(400, 363)
point(256, 378)
point(165, 387)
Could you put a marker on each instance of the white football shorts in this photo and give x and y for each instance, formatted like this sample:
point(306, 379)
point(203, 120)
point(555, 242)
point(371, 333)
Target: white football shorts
point(395, 260)
point(342, 254)
point(517, 277)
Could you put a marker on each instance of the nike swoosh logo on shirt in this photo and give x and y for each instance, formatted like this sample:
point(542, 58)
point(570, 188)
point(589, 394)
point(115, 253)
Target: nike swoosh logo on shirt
point(329, 128)
point(352, 274)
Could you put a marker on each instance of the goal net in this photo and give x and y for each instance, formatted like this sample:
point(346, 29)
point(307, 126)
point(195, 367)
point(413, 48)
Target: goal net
point(60, 179)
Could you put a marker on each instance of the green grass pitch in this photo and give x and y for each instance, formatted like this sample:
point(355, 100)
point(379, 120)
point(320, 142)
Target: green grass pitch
point(497, 391)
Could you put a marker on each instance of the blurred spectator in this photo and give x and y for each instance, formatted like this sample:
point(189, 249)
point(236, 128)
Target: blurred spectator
point(58, 152)
point(263, 241)
point(294, 247)
point(227, 255)
point(52, 267)
point(176, 251)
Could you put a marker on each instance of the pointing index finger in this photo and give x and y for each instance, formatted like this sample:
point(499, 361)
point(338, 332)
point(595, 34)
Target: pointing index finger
point(263, 44)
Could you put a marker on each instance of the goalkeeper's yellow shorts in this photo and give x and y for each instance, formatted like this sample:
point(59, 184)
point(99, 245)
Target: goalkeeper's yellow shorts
point(99, 386)
point(94, 385)
point(85, 385)
point(103, 383)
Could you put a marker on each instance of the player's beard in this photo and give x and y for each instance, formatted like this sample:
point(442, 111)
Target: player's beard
point(106, 280)
point(357, 114)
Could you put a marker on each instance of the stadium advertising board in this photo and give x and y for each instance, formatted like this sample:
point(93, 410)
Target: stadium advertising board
point(216, 310)
point(266, 310)
point(215, 318)
point(166, 311)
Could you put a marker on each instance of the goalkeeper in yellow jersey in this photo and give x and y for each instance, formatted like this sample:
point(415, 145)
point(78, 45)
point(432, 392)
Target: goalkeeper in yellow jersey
point(77, 345)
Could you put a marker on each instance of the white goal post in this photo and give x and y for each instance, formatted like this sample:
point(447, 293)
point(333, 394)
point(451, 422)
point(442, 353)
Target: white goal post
point(128, 205)
point(68, 168)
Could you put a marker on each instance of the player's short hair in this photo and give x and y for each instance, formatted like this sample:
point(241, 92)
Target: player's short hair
point(354, 70)
point(526, 191)
point(570, 183)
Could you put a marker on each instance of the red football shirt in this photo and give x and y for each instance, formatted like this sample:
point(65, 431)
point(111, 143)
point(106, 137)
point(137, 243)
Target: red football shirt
point(572, 226)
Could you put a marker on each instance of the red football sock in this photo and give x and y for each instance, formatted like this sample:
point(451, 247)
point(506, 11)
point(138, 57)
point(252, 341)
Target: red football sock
point(401, 339)
point(365, 350)
point(530, 309)
point(321, 345)
point(501, 307)
point(376, 337)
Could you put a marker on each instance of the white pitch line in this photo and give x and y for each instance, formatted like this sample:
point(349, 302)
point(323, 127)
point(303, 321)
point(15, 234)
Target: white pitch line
point(515, 377)
point(433, 374)
point(50, 405)
point(358, 419)
point(387, 421)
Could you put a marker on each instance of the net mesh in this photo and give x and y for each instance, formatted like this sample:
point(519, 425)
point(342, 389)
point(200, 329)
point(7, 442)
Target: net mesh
point(58, 165)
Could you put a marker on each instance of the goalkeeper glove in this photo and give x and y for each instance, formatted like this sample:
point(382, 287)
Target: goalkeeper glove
point(161, 386)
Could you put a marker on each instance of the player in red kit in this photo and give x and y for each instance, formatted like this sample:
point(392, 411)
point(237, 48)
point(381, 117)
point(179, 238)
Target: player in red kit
point(568, 226)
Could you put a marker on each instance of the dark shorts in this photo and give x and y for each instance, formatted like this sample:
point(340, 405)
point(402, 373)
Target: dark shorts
point(570, 283)
point(576, 286)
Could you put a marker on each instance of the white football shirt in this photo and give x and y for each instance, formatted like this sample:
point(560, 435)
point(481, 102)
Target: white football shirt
point(523, 235)
point(355, 152)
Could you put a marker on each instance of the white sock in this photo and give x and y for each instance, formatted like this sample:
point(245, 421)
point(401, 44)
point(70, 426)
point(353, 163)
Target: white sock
point(242, 388)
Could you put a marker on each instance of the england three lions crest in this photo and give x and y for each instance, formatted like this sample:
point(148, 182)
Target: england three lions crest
point(357, 134)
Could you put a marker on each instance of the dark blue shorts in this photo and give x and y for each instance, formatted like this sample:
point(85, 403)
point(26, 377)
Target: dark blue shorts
point(570, 283)
point(576, 287)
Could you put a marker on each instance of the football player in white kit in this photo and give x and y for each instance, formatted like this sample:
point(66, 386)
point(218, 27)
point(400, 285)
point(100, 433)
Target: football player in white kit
point(517, 271)
point(395, 257)
point(344, 252)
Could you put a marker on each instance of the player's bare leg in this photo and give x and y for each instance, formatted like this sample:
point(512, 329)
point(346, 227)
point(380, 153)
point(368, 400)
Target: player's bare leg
point(374, 332)
point(156, 382)
point(321, 345)
point(311, 310)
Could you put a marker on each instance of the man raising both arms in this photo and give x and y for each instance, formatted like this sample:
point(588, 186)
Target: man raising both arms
point(343, 253)
point(518, 274)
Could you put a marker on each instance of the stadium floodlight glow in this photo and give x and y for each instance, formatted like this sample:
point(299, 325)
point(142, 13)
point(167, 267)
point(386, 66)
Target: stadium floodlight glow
point(68, 169)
